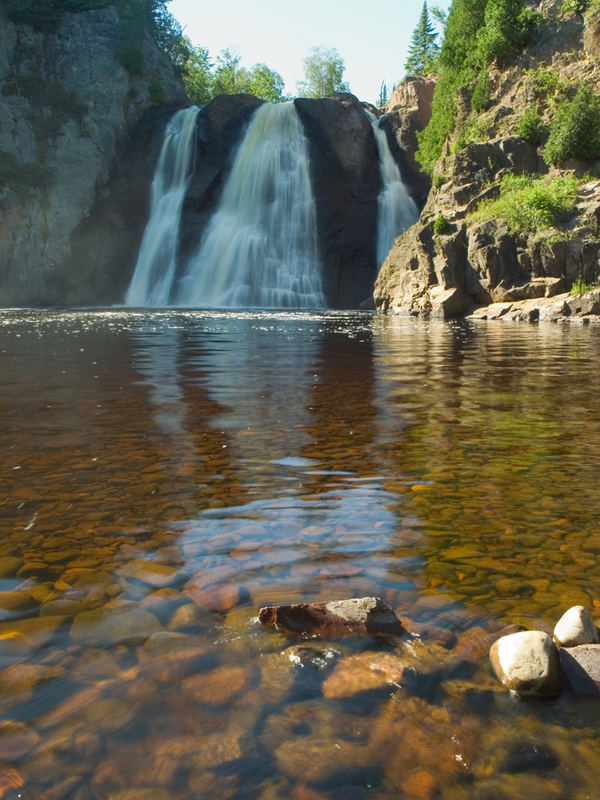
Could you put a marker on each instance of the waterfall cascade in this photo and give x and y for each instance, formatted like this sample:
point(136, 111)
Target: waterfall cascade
point(155, 269)
point(260, 248)
point(396, 210)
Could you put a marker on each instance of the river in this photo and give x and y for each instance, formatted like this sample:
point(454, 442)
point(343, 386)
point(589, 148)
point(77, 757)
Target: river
point(164, 474)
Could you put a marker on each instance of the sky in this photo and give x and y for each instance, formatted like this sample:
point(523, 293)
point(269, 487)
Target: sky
point(372, 36)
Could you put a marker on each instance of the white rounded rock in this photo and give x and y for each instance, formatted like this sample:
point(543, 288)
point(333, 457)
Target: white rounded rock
point(527, 663)
point(575, 627)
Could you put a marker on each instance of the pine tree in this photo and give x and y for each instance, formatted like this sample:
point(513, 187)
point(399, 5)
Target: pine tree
point(423, 50)
point(383, 95)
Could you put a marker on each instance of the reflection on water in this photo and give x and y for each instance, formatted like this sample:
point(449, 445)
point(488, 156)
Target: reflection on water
point(165, 474)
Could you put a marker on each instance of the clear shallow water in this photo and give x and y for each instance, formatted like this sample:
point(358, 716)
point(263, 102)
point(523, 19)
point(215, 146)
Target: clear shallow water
point(165, 474)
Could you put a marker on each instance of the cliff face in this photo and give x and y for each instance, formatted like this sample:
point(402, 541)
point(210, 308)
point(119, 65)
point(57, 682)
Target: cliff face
point(69, 111)
point(465, 260)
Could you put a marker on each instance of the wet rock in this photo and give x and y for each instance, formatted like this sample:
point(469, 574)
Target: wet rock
point(104, 627)
point(9, 566)
point(575, 627)
point(360, 615)
point(17, 601)
point(215, 597)
point(313, 656)
point(16, 739)
point(527, 663)
point(185, 616)
point(24, 635)
point(581, 668)
point(10, 780)
point(206, 752)
point(144, 793)
point(169, 656)
point(218, 686)
point(152, 573)
point(363, 672)
point(316, 758)
point(530, 757)
point(21, 677)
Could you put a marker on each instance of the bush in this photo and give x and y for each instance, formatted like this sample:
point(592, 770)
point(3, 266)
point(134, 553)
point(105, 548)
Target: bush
point(532, 128)
point(530, 204)
point(441, 225)
point(482, 92)
point(575, 129)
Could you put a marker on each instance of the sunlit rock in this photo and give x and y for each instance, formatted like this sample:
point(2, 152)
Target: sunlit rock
point(9, 565)
point(363, 672)
point(359, 615)
point(21, 677)
point(581, 668)
point(151, 572)
point(575, 627)
point(110, 626)
point(527, 663)
point(218, 686)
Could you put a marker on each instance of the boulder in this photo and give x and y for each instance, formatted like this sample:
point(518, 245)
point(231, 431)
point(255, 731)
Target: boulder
point(581, 668)
point(359, 615)
point(346, 182)
point(527, 663)
point(575, 627)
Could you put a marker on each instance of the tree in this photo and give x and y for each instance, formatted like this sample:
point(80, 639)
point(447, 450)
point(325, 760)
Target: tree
point(229, 77)
point(266, 83)
point(195, 67)
point(383, 95)
point(424, 50)
point(323, 73)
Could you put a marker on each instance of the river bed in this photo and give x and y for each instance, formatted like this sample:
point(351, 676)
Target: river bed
point(164, 474)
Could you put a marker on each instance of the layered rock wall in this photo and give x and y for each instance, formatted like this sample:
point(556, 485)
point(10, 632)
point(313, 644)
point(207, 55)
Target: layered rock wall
point(68, 109)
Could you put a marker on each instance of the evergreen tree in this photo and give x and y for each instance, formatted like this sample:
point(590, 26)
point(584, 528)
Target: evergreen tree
point(383, 95)
point(423, 50)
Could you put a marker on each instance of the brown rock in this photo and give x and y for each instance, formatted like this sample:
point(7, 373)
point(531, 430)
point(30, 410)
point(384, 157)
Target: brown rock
point(363, 672)
point(9, 779)
point(581, 668)
point(218, 686)
point(359, 615)
point(110, 626)
point(151, 572)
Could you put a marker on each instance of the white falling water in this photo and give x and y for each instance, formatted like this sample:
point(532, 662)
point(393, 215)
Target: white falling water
point(396, 210)
point(260, 248)
point(155, 269)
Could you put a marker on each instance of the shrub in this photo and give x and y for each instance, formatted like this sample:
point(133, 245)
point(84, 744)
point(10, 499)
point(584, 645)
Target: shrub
point(531, 204)
point(531, 128)
point(441, 225)
point(482, 92)
point(575, 129)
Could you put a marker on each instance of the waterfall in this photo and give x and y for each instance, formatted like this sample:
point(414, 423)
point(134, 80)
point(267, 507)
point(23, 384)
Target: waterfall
point(155, 268)
point(396, 210)
point(260, 247)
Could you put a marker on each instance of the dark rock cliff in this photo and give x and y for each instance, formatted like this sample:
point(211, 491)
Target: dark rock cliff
point(71, 118)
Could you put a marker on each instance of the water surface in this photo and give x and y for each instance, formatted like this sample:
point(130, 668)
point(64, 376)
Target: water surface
point(165, 474)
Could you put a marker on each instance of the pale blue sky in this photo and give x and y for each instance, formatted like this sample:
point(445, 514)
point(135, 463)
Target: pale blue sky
point(371, 36)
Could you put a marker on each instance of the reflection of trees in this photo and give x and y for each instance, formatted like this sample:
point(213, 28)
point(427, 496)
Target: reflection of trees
point(481, 420)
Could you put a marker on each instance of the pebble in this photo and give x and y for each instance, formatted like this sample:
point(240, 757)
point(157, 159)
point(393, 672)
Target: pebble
point(105, 627)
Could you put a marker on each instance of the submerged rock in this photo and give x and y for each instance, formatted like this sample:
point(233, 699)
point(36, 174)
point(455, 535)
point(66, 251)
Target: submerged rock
point(359, 615)
point(527, 663)
point(575, 627)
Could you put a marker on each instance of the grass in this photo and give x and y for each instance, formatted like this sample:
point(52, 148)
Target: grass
point(528, 203)
point(581, 287)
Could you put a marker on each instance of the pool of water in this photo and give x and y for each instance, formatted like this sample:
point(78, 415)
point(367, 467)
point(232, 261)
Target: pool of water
point(166, 474)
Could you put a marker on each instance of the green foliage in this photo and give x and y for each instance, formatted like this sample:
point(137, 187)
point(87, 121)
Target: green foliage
point(580, 286)
point(531, 204)
point(476, 130)
point(265, 83)
point(575, 129)
point(194, 65)
point(532, 128)
point(545, 81)
point(156, 92)
point(383, 95)
point(323, 73)
point(480, 99)
point(441, 225)
point(424, 50)
point(477, 31)
point(569, 7)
